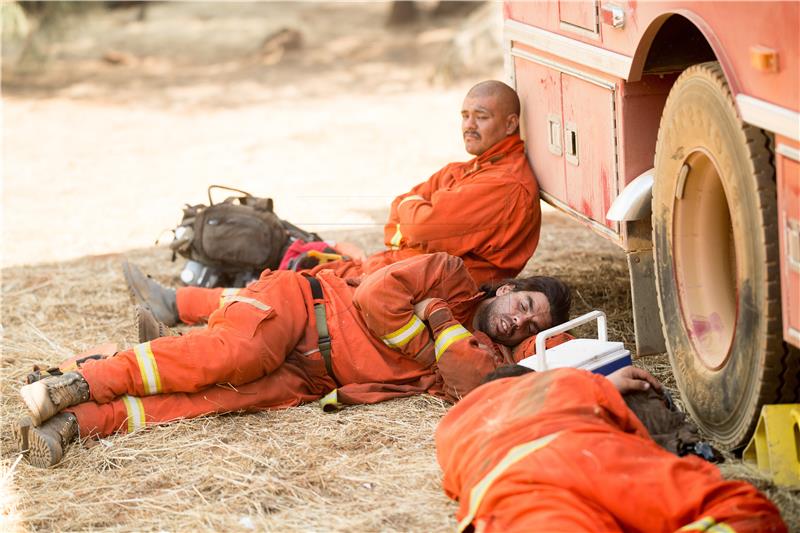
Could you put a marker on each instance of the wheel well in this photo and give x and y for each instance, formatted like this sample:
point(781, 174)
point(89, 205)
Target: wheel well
point(671, 43)
point(677, 45)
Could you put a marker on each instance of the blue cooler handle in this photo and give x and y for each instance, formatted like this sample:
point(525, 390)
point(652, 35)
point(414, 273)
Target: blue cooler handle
point(602, 334)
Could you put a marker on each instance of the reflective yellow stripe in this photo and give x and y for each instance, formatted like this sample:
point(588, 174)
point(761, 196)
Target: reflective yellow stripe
point(514, 455)
point(151, 379)
point(448, 337)
point(701, 525)
point(710, 524)
point(330, 402)
point(227, 293)
point(402, 336)
point(135, 409)
point(398, 236)
point(252, 301)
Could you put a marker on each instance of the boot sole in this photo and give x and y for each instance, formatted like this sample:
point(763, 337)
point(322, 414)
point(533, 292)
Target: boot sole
point(43, 449)
point(144, 325)
point(20, 432)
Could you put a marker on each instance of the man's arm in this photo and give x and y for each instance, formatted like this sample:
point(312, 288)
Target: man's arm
point(462, 360)
point(392, 233)
point(386, 297)
point(450, 214)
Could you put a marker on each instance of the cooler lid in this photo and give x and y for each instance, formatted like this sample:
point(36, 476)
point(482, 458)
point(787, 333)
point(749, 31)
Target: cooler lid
point(577, 352)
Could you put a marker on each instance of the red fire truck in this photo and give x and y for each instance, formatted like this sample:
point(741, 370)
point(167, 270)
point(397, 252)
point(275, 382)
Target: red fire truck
point(672, 129)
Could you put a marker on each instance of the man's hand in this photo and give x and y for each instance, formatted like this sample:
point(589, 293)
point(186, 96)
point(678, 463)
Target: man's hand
point(631, 379)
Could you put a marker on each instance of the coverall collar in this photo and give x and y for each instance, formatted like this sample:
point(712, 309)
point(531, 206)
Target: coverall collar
point(510, 144)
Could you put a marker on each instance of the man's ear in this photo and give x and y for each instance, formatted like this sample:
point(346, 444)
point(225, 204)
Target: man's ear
point(512, 123)
point(504, 289)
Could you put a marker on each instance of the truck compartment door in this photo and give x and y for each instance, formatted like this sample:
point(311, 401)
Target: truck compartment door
point(590, 148)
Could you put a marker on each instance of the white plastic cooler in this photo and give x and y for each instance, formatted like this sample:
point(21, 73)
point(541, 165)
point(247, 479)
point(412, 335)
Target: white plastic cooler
point(599, 355)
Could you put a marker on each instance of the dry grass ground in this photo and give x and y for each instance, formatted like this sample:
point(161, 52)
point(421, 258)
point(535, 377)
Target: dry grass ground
point(366, 468)
point(97, 160)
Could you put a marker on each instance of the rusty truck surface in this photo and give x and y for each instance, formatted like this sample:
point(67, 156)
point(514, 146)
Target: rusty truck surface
point(672, 129)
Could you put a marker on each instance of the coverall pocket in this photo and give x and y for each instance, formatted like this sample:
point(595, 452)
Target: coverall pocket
point(244, 314)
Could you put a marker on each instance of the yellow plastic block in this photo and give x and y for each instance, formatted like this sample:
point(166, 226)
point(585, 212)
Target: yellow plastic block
point(775, 446)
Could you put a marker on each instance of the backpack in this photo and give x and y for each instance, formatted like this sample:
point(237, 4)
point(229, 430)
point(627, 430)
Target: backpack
point(229, 243)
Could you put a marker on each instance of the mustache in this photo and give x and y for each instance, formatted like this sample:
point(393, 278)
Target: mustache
point(472, 133)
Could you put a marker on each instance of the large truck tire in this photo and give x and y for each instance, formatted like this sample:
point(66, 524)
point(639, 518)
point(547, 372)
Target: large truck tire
point(716, 255)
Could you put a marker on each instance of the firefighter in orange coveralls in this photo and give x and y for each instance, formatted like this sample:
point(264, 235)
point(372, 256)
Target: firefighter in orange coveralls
point(560, 451)
point(485, 211)
point(290, 338)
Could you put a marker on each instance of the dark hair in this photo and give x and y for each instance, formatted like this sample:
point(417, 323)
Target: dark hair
point(506, 371)
point(556, 291)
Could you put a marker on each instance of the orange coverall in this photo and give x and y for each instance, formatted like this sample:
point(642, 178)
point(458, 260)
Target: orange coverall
point(261, 351)
point(560, 451)
point(485, 211)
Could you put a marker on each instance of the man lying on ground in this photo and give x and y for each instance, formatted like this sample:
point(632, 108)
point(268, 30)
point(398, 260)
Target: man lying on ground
point(485, 211)
point(560, 451)
point(290, 338)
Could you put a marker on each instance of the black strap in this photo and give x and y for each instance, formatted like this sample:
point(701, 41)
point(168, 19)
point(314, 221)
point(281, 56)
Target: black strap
point(322, 326)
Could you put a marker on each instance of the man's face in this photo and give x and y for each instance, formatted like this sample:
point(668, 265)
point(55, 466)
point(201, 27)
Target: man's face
point(513, 316)
point(484, 123)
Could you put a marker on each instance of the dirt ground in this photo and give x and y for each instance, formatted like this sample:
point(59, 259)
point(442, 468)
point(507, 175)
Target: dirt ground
point(115, 123)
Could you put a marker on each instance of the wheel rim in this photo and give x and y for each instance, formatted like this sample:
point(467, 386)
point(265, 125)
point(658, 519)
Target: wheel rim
point(705, 260)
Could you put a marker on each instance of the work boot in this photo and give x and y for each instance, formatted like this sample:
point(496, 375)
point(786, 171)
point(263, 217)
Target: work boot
point(47, 397)
point(44, 446)
point(149, 327)
point(148, 293)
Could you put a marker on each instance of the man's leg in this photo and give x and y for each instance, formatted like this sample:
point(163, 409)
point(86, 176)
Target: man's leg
point(245, 340)
point(195, 304)
point(297, 381)
point(288, 386)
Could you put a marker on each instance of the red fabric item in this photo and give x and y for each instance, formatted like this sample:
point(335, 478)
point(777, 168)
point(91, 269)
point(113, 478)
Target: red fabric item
point(600, 472)
point(485, 211)
point(528, 347)
point(263, 342)
point(299, 247)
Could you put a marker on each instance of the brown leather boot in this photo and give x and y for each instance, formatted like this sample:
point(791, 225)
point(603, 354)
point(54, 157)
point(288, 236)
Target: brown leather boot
point(47, 397)
point(148, 293)
point(148, 325)
point(44, 445)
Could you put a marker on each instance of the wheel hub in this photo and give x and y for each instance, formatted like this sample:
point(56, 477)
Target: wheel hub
point(705, 259)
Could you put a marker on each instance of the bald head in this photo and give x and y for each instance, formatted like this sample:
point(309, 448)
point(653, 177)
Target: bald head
point(505, 96)
point(490, 114)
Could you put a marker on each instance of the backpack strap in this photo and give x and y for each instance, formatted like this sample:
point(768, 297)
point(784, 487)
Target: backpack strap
point(245, 194)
